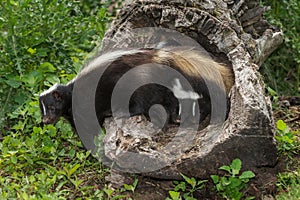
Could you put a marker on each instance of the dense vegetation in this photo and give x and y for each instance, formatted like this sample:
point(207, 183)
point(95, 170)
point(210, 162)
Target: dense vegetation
point(46, 42)
point(282, 69)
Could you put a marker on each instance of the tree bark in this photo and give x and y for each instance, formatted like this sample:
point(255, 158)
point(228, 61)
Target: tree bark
point(233, 32)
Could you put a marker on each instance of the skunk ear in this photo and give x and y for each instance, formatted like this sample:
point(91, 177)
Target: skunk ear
point(56, 95)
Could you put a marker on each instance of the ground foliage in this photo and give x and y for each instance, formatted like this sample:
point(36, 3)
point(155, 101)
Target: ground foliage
point(282, 69)
point(45, 42)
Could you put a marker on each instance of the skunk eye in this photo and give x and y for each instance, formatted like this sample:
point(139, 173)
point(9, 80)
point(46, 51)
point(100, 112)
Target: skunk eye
point(51, 108)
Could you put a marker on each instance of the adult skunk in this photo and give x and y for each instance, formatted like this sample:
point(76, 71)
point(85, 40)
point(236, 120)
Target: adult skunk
point(206, 77)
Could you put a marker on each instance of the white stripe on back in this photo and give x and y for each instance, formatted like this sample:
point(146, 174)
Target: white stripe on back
point(105, 59)
point(52, 88)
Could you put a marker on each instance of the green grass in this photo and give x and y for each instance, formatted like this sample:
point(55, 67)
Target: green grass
point(288, 146)
point(46, 42)
point(289, 184)
point(282, 73)
point(42, 43)
point(282, 69)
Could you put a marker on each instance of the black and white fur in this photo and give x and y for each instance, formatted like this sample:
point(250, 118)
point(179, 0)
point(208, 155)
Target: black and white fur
point(196, 68)
point(56, 102)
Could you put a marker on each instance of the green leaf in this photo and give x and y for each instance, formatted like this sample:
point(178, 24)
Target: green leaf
point(224, 181)
point(247, 175)
point(187, 196)
point(226, 168)
point(37, 130)
point(234, 182)
point(51, 130)
point(76, 183)
point(52, 79)
point(175, 195)
point(271, 92)
point(31, 51)
point(190, 181)
point(13, 83)
point(135, 183)
point(215, 178)
point(108, 191)
point(19, 126)
point(71, 171)
point(32, 78)
point(128, 187)
point(201, 182)
point(236, 166)
point(47, 67)
point(281, 125)
point(131, 187)
point(72, 153)
point(180, 186)
point(14, 159)
point(20, 98)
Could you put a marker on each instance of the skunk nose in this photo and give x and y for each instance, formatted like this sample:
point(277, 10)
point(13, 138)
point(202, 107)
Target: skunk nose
point(46, 120)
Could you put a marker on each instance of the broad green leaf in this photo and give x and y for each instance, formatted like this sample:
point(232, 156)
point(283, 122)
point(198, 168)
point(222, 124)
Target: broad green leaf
point(14, 159)
point(47, 67)
point(72, 153)
point(215, 178)
point(52, 79)
point(219, 187)
point(32, 78)
point(247, 174)
point(281, 125)
point(175, 195)
point(236, 166)
point(226, 168)
point(20, 98)
point(13, 83)
point(271, 91)
point(37, 129)
point(234, 182)
point(51, 130)
point(32, 178)
point(29, 142)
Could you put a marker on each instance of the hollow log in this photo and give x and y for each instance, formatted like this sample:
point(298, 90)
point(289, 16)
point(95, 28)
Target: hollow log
point(233, 32)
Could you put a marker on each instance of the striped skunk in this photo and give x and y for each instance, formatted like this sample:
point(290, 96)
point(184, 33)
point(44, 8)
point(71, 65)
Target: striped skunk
point(197, 69)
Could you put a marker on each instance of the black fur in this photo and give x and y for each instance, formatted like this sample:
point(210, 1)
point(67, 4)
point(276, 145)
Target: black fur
point(58, 101)
point(148, 95)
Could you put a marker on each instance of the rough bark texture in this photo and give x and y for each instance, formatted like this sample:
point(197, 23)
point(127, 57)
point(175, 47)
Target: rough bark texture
point(234, 32)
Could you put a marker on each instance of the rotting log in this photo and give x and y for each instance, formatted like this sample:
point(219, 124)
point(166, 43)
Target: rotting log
point(233, 32)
